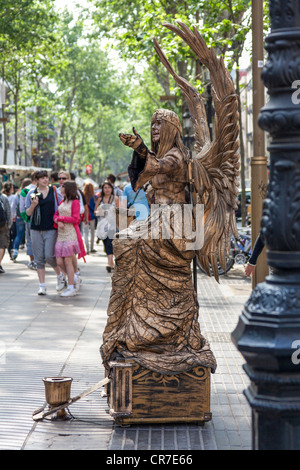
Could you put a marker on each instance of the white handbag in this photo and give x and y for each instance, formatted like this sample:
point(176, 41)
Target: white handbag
point(106, 226)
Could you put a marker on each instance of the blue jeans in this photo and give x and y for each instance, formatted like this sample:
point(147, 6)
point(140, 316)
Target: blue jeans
point(20, 228)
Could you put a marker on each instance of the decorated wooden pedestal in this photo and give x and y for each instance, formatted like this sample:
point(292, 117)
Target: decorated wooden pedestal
point(138, 395)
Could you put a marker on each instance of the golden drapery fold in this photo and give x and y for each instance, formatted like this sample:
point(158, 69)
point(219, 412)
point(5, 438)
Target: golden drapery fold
point(153, 309)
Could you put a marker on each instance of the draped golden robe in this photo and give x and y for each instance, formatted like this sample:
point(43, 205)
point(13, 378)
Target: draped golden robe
point(153, 308)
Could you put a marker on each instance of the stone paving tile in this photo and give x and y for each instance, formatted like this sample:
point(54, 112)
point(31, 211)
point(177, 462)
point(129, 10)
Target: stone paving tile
point(46, 337)
point(164, 437)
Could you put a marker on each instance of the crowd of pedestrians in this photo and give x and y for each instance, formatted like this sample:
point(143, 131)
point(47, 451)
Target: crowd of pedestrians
point(57, 223)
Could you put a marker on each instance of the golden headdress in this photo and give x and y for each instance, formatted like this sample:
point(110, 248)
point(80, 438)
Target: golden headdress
point(170, 133)
point(169, 116)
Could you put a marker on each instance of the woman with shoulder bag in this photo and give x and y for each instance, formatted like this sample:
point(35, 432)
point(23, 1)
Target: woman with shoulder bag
point(105, 210)
point(41, 204)
point(69, 241)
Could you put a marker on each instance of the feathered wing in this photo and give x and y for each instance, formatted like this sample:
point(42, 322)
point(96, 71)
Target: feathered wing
point(195, 103)
point(216, 164)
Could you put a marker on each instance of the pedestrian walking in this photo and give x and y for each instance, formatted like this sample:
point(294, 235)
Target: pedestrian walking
point(20, 223)
point(105, 210)
point(54, 179)
point(69, 241)
point(5, 224)
point(8, 191)
point(112, 179)
point(41, 204)
point(84, 211)
point(90, 225)
point(137, 200)
point(23, 195)
point(64, 176)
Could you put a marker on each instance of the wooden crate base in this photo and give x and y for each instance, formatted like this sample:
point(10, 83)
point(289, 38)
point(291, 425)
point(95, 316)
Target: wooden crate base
point(138, 395)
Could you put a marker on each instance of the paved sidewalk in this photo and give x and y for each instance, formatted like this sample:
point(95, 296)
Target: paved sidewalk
point(52, 336)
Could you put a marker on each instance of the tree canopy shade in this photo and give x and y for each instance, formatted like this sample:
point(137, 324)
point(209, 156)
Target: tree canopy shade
point(61, 82)
point(24, 23)
point(134, 24)
point(26, 34)
point(68, 94)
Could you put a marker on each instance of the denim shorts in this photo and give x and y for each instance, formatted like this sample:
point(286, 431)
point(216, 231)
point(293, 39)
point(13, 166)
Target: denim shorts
point(43, 243)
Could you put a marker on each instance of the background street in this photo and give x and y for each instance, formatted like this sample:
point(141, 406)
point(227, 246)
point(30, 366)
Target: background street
point(46, 336)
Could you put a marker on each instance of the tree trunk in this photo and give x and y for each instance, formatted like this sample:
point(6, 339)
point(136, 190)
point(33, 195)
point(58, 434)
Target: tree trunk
point(16, 127)
point(3, 116)
point(4, 136)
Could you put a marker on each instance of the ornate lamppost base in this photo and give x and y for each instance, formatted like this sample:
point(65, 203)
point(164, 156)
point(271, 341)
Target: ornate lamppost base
point(268, 335)
point(275, 410)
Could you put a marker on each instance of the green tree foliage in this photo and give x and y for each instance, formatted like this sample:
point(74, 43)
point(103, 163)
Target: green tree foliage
point(64, 95)
point(71, 95)
point(26, 34)
point(25, 23)
point(134, 24)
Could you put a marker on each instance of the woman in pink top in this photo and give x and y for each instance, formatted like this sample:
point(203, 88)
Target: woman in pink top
point(69, 240)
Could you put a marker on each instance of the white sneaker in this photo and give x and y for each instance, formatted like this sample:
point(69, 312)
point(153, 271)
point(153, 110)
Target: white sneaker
point(32, 265)
point(61, 283)
point(42, 290)
point(77, 282)
point(68, 292)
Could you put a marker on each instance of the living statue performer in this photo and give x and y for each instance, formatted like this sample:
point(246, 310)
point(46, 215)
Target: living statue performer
point(153, 308)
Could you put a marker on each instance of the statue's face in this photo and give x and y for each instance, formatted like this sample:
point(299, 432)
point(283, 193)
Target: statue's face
point(155, 130)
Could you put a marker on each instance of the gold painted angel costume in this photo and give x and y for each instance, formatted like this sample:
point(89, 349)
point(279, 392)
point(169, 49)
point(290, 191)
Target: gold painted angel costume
point(153, 308)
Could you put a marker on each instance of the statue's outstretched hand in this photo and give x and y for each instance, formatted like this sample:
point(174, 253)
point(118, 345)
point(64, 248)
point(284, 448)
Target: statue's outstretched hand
point(133, 141)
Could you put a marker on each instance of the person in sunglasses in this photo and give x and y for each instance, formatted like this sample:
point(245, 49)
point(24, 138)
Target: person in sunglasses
point(64, 176)
point(41, 204)
point(69, 242)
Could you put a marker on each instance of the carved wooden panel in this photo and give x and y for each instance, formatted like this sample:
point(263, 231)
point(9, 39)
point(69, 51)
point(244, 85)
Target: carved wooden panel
point(160, 398)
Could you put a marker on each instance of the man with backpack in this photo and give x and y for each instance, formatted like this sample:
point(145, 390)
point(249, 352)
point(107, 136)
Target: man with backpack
point(5, 223)
point(23, 195)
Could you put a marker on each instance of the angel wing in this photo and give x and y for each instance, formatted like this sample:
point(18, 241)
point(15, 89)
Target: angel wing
point(215, 167)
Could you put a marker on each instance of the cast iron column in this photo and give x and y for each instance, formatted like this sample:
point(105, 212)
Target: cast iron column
point(268, 331)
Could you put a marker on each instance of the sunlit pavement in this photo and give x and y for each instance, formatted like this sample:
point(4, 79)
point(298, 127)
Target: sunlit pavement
point(47, 336)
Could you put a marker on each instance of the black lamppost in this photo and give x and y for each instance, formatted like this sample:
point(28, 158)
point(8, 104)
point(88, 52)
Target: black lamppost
point(268, 331)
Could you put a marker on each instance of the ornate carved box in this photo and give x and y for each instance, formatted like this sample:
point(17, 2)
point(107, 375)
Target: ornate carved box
point(138, 395)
